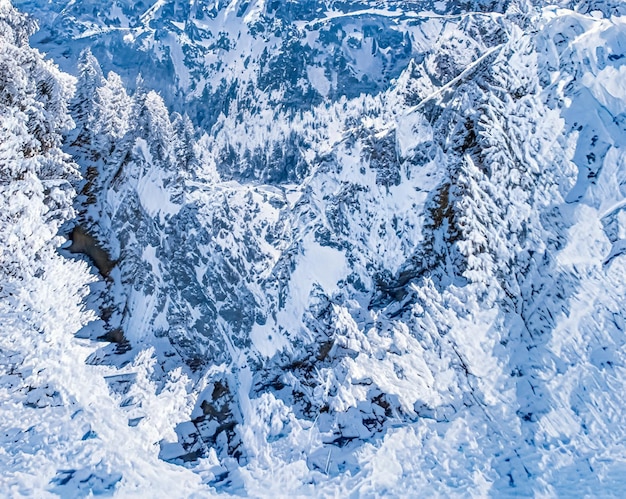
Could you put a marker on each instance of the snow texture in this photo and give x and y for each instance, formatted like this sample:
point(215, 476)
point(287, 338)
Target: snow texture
point(337, 249)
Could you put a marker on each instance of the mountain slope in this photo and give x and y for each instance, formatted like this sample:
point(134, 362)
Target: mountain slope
point(61, 427)
point(401, 272)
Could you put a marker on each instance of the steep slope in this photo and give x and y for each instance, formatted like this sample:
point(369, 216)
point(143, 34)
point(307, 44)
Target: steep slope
point(235, 67)
point(60, 426)
point(301, 51)
point(418, 287)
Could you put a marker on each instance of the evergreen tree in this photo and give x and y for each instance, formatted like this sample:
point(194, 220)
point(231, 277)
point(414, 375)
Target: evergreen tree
point(112, 108)
point(82, 105)
point(504, 174)
point(36, 176)
point(185, 151)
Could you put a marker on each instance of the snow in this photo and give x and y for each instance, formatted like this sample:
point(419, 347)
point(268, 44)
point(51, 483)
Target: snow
point(254, 12)
point(411, 131)
point(609, 87)
point(149, 13)
point(432, 305)
point(152, 194)
point(178, 59)
point(319, 80)
point(321, 265)
point(587, 241)
point(316, 265)
point(117, 13)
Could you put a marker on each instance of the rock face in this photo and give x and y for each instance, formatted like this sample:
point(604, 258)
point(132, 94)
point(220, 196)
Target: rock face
point(84, 243)
point(373, 247)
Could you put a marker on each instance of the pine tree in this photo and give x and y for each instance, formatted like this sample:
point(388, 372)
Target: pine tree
point(500, 181)
point(477, 213)
point(112, 112)
point(82, 105)
point(152, 123)
point(185, 151)
point(36, 177)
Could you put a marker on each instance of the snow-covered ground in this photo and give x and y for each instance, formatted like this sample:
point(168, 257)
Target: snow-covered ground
point(414, 290)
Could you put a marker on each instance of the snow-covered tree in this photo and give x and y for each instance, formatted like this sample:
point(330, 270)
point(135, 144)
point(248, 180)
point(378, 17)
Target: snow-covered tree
point(82, 106)
point(113, 109)
point(505, 173)
point(36, 175)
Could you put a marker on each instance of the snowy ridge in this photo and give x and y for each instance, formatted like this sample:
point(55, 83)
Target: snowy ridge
point(370, 289)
